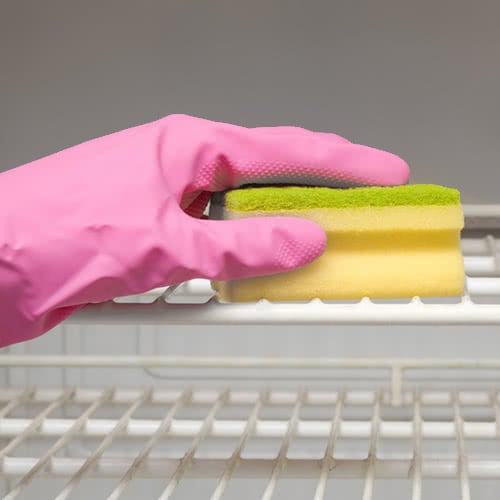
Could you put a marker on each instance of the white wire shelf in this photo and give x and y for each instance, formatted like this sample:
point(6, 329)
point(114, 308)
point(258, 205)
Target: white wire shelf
point(75, 445)
point(416, 312)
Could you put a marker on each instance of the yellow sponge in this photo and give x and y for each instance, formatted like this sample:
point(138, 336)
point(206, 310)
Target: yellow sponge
point(382, 242)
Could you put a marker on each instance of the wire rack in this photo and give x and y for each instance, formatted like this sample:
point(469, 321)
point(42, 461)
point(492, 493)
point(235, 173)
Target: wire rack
point(320, 436)
point(429, 427)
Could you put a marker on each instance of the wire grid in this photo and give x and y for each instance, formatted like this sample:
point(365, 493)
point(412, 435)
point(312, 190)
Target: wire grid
point(351, 430)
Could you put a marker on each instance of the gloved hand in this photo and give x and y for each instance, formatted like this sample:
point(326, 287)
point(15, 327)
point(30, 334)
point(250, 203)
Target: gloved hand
point(121, 214)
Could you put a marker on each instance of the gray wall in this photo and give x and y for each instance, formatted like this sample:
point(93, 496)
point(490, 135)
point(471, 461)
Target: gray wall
point(421, 79)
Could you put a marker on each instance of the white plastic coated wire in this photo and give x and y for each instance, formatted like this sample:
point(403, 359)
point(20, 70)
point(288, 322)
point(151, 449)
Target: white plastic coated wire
point(236, 456)
point(142, 456)
point(335, 463)
point(328, 456)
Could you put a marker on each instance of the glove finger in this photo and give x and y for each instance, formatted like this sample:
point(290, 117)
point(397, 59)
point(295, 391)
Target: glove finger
point(299, 131)
point(238, 156)
point(236, 249)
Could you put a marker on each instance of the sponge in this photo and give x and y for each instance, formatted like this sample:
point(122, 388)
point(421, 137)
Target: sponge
point(382, 242)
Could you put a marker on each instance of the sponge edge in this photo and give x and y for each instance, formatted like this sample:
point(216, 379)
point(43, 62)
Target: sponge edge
point(385, 250)
point(274, 198)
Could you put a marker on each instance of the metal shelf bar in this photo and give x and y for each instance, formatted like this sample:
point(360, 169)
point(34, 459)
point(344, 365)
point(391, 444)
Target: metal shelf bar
point(146, 450)
point(92, 460)
point(188, 457)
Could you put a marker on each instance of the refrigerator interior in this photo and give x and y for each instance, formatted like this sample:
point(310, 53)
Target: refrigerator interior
point(354, 401)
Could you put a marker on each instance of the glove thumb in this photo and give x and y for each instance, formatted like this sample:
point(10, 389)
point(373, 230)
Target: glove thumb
point(257, 246)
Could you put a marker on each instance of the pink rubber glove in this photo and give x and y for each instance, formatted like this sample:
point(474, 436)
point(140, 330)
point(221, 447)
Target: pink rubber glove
point(121, 214)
